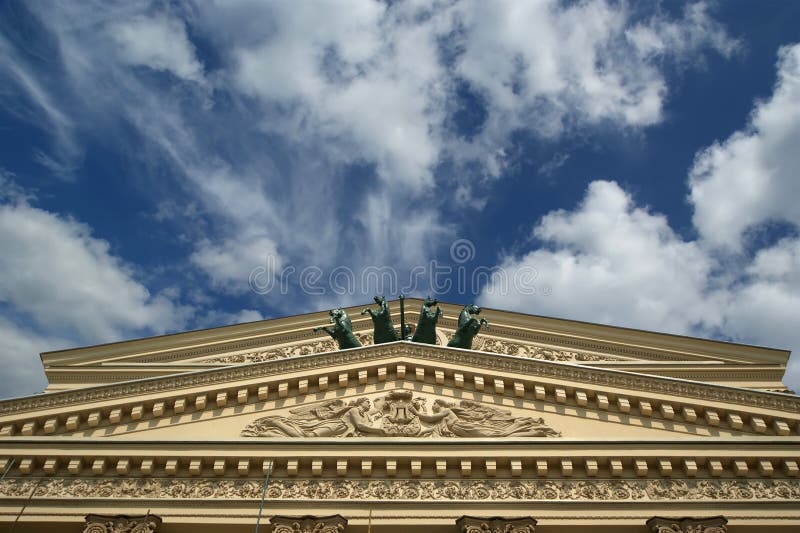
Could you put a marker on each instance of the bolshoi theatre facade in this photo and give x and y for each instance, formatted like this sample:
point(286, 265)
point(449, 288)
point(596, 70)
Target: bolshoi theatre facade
point(533, 424)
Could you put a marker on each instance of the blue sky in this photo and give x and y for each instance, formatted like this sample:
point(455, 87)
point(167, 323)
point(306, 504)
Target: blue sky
point(173, 165)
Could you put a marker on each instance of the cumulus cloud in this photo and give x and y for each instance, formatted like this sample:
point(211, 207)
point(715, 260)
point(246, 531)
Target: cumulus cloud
point(158, 42)
point(750, 178)
point(68, 281)
point(22, 369)
point(613, 262)
point(376, 77)
point(62, 287)
point(547, 68)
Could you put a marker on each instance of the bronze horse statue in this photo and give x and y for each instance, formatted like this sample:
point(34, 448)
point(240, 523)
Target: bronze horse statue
point(382, 321)
point(342, 329)
point(468, 327)
point(426, 327)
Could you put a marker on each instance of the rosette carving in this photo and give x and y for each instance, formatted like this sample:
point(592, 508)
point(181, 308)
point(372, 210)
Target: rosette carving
point(716, 524)
point(496, 524)
point(96, 523)
point(308, 524)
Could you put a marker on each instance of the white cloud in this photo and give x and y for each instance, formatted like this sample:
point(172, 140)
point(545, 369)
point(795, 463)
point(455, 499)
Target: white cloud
point(63, 287)
point(751, 177)
point(338, 85)
point(548, 68)
point(47, 109)
point(612, 262)
point(371, 82)
point(229, 262)
point(220, 318)
point(159, 42)
point(70, 284)
point(660, 36)
point(22, 369)
point(355, 79)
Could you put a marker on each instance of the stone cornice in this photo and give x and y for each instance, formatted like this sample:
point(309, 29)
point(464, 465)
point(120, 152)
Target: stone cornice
point(568, 333)
point(426, 354)
point(103, 374)
point(709, 459)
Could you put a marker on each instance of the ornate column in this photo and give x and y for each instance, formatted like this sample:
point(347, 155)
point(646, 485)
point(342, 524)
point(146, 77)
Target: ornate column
point(714, 524)
point(308, 524)
point(496, 524)
point(98, 523)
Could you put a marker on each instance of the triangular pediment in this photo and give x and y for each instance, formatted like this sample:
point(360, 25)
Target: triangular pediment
point(441, 413)
point(475, 394)
point(516, 334)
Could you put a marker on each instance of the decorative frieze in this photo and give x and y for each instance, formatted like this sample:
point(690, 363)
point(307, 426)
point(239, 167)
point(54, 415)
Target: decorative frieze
point(399, 414)
point(702, 490)
point(716, 524)
point(480, 343)
point(515, 365)
point(496, 524)
point(96, 523)
point(484, 343)
point(308, 524)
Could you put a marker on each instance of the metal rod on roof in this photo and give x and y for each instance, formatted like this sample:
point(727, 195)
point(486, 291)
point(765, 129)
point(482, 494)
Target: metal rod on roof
point(402, 317)
point(263, 495)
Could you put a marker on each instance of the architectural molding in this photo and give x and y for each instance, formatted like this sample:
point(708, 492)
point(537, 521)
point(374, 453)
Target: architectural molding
point(400, 414)
point(496, 524)
point(715, 524)
point(426, 355)
point(563, 334)
point(96, 523)
point(308, 524)
point(498, 490)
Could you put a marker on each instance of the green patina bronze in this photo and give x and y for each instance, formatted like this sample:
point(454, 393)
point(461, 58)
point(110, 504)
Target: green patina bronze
point(428, 317)
point(468, 327)
point(382, 322)
point(342, 329)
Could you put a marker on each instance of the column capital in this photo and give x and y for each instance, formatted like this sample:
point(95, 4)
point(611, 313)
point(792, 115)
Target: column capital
point(496, 524)
point(308, 524)
point(715, 524)
point(98, 523)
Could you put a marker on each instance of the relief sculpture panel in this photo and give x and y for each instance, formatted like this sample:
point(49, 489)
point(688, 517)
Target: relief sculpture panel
point(399, 414)
point(481, 343)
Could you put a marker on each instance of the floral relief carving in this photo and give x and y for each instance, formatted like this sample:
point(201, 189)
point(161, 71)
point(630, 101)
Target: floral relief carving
point(121, 524)
point(534, 351)
point(473, 524)
point(715, 524)
point(398, 414)
point(407, 489)
point(283, 352)
point(481, 343)
point(308, 524)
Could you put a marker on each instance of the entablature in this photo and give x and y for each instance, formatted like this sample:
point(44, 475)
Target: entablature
point(571, 387)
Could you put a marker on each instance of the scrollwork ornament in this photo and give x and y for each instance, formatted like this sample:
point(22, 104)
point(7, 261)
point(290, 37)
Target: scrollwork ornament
point(496, 524)
point(121, 524)
point(308, 524)
point(409, 489)
point(716, 524)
